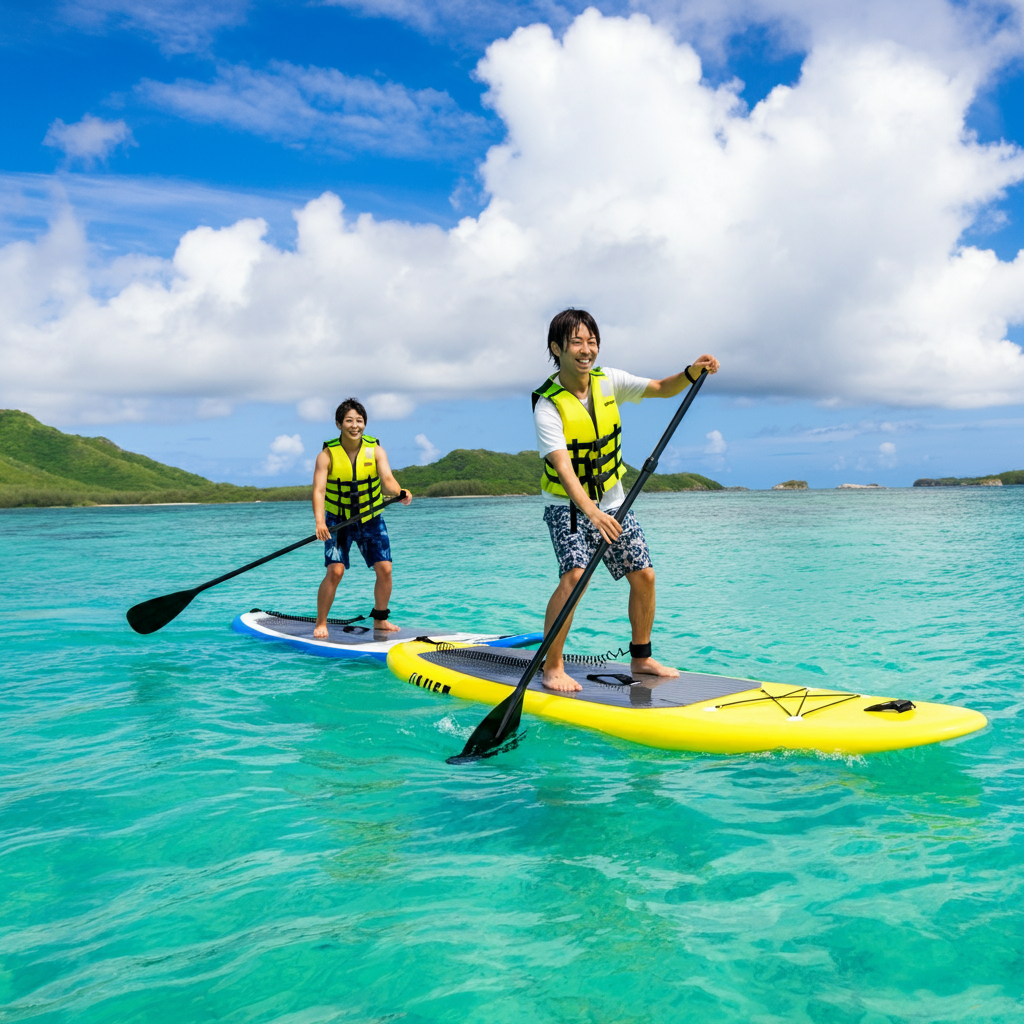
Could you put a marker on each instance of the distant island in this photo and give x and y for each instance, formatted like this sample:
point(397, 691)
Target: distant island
point(43, 466)
point(468, 472)
point(791, 485)
point(1013, 476)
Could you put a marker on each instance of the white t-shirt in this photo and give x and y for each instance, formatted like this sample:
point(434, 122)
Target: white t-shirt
point(551, 437)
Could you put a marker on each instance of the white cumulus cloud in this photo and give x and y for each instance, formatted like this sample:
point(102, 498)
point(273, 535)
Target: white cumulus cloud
point(90, 140)
point(315, 410)
point(716, 443)
point(981, 30)
point(213, 408)
point(428, 452)
point(388, 406)
point(284, 451)
point(812, 244)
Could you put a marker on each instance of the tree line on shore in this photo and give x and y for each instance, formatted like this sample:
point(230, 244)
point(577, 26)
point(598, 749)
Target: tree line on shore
point(43, 466)
point(1013, 476)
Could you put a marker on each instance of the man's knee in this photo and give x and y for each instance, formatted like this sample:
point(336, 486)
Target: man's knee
point(335, 571)
point(383, 570)
point(571, 578)
point(643, 578)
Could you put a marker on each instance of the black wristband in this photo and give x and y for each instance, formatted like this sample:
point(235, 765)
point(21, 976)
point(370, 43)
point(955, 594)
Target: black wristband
point(380, 616)
point(686, 374)
point(640, 650)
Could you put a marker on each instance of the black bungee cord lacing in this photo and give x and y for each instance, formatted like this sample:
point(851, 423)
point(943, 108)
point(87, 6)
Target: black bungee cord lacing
point(595, 659)
point(491, 657)
point(802, 691)
point(307, 618)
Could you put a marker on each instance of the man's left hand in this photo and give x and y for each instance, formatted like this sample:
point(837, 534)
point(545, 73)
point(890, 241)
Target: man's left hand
point(705, 362)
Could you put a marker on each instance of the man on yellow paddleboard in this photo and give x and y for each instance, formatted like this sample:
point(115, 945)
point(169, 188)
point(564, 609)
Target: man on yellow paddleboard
point(579, 436)
point(351, 477)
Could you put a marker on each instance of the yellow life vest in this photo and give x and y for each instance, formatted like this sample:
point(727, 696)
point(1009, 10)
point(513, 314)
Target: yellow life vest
point(594, 443)
point(353, 494)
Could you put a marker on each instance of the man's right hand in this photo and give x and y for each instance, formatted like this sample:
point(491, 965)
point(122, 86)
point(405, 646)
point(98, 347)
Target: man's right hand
point(609, 527)
point(322, 533)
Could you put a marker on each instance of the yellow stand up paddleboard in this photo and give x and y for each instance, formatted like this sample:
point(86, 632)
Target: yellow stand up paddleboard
point(698, 712)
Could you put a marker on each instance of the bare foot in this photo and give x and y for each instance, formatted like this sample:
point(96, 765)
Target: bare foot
point(387, 626)
point(556, 679)
point(650, 667)
point(320, 632)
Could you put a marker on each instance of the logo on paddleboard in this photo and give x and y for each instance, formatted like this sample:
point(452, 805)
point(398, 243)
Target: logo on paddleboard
point(428, 684)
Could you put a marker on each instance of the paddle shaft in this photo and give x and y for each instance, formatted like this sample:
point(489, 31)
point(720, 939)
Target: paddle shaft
point(577, 592)
point(284, 551)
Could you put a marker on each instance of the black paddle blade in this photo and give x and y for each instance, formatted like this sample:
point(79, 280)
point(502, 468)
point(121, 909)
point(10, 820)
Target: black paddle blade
point(503, 749)
point(491, 734)
point(149, 616)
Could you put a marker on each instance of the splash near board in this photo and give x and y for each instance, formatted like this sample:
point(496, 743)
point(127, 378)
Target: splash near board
point(356, 638)
point(697, 711)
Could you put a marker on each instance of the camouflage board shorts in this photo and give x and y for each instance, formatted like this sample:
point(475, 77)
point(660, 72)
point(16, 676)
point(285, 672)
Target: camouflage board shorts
point(574, 550)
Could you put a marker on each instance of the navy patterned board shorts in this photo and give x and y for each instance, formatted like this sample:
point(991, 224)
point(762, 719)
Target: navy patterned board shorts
point(574, 550)
point(371, 538)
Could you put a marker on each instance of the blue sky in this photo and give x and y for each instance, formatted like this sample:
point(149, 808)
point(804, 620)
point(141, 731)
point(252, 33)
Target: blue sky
point(402, 135)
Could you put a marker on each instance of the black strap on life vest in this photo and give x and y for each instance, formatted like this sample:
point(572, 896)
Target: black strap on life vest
point(592, 468)
point(355, 498)
point(364, 497)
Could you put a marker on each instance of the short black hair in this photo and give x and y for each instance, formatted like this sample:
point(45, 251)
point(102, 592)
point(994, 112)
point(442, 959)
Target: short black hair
point(348, 404)
point(564, 324)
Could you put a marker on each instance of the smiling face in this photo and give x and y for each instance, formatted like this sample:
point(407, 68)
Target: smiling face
point(580, 352)
point(352, 426)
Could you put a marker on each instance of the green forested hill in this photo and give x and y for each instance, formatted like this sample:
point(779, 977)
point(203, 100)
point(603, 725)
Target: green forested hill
point(673, 481)
point(40, 465)
point(1013, 476)
point(474, 471)
point(478, 471)
point(89, 461)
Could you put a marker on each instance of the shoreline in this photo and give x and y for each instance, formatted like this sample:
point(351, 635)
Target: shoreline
point(523, 494)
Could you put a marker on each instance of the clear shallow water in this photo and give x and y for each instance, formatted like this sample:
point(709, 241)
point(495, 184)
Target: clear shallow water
point(198, 825)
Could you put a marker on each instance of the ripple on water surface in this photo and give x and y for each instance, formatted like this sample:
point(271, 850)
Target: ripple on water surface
point(200, 826)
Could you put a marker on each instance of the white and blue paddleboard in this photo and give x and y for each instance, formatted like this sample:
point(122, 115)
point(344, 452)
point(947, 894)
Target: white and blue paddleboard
point(358, 639)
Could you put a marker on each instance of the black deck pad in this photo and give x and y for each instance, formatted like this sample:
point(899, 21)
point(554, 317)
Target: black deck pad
point(344, 636)
point(504, 665)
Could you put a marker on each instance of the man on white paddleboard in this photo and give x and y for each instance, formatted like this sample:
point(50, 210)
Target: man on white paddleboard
point(350, 480)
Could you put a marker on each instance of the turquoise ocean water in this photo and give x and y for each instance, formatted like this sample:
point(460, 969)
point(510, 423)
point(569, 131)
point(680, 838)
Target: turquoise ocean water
point(200, 826)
